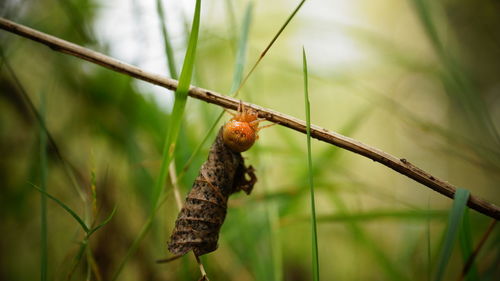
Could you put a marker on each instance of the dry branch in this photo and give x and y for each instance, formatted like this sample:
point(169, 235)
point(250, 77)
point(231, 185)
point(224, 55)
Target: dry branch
point(400, 165)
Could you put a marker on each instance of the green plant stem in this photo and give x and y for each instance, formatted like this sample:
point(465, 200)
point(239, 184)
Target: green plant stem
point(238, 74)
point(181, 93)
point(465, 239)
point(428, 240)
point(315, 261)
point(179, 106)
point(43, 199)
point(166, 40)
point(242, 49)
point(263, 54)
point(454, 221)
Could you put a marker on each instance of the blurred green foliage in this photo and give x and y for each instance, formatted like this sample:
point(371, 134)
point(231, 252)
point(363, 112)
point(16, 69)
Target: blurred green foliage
point(426, 89)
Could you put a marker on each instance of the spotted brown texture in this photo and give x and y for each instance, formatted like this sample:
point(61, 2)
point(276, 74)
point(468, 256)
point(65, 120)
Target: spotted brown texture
point(199, 221)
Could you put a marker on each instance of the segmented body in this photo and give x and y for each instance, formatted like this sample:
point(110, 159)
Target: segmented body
point(199, 222)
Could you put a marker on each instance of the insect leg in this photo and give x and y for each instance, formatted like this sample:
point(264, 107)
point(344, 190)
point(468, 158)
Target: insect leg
point(230, 113)
point(240, 181)
point(266, 126)
point(240, 106)
point(248, 186)
point(170, 259)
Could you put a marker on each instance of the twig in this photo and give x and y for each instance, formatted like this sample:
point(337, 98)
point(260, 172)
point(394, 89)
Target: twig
point(175, 184)
point(204, 276)
point(401, 166)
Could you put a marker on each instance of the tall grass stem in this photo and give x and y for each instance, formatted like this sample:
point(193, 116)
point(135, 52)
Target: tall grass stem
point(43, 199)
point(315, 261)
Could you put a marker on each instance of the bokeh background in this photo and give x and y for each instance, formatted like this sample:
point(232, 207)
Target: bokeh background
point(418, 79)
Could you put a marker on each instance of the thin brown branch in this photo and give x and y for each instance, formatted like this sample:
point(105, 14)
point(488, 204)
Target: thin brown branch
point(400, 165)
point(175, 185)
point(473, 256)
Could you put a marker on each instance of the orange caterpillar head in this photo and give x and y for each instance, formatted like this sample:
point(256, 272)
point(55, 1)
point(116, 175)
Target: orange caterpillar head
point(240, 133)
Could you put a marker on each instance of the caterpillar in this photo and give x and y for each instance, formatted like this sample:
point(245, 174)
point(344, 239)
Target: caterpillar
point(223, 173)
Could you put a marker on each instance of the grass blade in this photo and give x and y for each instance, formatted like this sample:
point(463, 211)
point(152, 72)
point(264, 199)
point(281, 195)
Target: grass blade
point(102, 223)
point(428, 241)
point(465, 239)
point(454, 221)
point(172, 132)
point(166, 41)
point(238, 74)
point(263, 54)
point(242, 48)
point(276, 244)
point(77, 259)
point(231, 22)
point(179, 106)
point(309, 162)
point(169, 53)
point(65, 207)
point(43, 199)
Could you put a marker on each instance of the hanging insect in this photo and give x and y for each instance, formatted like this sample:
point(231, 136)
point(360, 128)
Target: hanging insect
point(224, 173)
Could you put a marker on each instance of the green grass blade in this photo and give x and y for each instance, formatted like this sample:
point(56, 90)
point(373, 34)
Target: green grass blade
point(238, 74)
point(428, 241)
point(276, 244)
point(330, 154)
point(263, 54)
point(309, 162)
point(454, 221)
point(465, 239)
point(232, 25)
point(93, 267)
point(78, 258)
point(426, 19)
point(172, 133)
point(65, 207)
point(242, 48)
point(158, 228)
point(103, 223)
point(179, 106)
point(43, 199)
point(166, 41)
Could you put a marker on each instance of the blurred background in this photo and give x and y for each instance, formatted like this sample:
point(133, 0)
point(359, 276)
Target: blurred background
point(417, 79)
